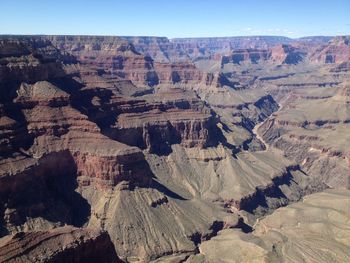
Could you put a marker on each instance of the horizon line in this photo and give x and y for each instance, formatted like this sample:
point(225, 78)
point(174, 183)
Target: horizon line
point(172, 38)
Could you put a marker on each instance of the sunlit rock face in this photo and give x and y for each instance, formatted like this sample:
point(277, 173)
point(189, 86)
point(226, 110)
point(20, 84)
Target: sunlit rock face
point(143, 148)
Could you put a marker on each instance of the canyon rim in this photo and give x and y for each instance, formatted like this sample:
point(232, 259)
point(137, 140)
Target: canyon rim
point(119, 148)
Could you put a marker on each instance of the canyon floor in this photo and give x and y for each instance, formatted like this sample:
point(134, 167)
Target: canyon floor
point(145, 149)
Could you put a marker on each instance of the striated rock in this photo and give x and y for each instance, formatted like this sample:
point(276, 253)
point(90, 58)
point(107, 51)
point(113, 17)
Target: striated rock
point(342, 67)
point(336, 51)
point(225, 44)
point(287, 54)
point(28, 60)
point(122, 137)
point(162, 119)
point(42, 93)
point(55, 126)
point(155, 129)
point(311, 130)
point(112, 56)
point(117, 59)
point(160, 49)
point(305, 231)
point(182, 50)
point(66, 244)
point(179, 72)
point(246, 56)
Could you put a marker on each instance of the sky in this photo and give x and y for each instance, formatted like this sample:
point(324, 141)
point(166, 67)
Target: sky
point(176, 18)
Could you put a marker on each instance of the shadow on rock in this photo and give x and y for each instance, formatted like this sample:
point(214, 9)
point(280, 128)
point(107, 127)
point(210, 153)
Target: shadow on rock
point(46, 190)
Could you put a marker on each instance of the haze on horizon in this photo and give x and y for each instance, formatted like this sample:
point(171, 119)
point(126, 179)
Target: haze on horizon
point(194, 18)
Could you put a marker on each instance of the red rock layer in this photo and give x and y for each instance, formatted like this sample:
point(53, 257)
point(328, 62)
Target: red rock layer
point(287, 54)
point(115, 58)
point(159, 120)
point(55, 126)
point(65, 244)
point(336, 51)
point(246, 55)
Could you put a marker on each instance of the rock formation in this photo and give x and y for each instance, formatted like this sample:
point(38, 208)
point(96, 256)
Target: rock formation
point(65, 244)
point(336, 51)
point(144, 149)
point(248, 55)
point(287, 54)
point(295, 232)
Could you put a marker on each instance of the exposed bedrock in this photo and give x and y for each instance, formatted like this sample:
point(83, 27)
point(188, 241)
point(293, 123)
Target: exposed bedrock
point(55, 126)
point(60, 245)
point(156, 121)
point(336, 51)
point(28, 60)
point(42, 195)
point(158, 130)
point(246, 56)
point(116, 58)
point(315, 138)
point(162, 49)
point(287, 54)
point(313, 229)
point(109, 136)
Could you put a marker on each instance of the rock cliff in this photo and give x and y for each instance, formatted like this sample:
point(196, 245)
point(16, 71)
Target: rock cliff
point(144, 148)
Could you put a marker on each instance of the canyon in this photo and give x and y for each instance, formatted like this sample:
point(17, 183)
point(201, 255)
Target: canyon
point(149, 149)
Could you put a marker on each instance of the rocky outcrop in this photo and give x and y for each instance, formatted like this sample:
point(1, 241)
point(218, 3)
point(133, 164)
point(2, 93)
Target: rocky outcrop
point(279, 54)
point(116, 59)
point(121, 137)
point(157, 121)
point(54, 126)
point(26, 59)
point(196, 49)
point(111, 56)
point(311, 137)
point(287, 54)
point(246, 56)
point(304, 231)
point(160, 49)
point(65, 244)
point(336, 51)
point(225, 44)
point(178, 73)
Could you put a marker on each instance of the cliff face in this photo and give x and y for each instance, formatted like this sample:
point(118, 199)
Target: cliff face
point(310, 130)
point(246, 55)
point(161, 49)
point(66, 244)
point(336, 51)
point(286, 54)
point(26, 60)
point(163, 119)
point(279, 54)
point(130, 141)
point(177, 50)
point(116, 59)
point(279, 50)
point(70, 131)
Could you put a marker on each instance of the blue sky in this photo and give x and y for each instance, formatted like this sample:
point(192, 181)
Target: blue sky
point(171, 18)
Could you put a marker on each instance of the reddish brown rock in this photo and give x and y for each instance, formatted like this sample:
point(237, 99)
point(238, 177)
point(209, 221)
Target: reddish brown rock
point(157, 121)
point(112, 56)
point(336, 51)
point(287, 54)
point(116, 59)
point(56, 126)
point(66, 244)
point(246, 56)
point(26, 59)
